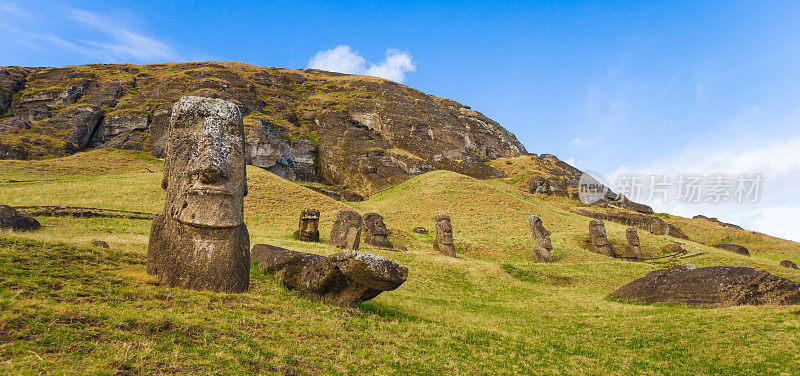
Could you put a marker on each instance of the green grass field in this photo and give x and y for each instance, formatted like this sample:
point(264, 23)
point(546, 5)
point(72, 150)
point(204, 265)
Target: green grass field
point(67, 308)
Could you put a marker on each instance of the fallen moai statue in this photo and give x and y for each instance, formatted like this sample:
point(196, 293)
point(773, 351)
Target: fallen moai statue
point(345, 278)
point(715, 286)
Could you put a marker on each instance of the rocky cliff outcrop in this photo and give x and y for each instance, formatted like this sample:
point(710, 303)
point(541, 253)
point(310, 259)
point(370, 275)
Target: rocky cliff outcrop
point(359, 132)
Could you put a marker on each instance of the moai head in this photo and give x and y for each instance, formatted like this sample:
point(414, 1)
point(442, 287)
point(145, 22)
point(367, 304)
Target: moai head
point(633, 250)
point(376, 232)
point(309, 226)
point(200, 241)
point(346, 231)
point(444, 236)
point(599, 241)
point(540, 234)
point(632, 236)
point(204, 171)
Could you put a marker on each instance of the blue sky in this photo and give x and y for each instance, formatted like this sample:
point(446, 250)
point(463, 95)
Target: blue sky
point(640, 87)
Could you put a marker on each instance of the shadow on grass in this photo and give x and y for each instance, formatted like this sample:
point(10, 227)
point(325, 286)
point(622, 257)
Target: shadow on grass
point(388, 312)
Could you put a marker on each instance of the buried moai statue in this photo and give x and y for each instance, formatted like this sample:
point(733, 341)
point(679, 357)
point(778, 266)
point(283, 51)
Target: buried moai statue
point(200, 241)
point(375, 231)
point(444, 236)
point(634, 249)
point(541, 239)
point(598, 240)
point(309, 226)
point(346, 232)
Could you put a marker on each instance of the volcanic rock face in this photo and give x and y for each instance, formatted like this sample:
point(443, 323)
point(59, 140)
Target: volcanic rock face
point(711, 286)
point(598, 240)
point(346, 231)
point(541, 239)
point(309, 226)
point(345, 278)
point(359, 132)
point(375, 231)
point(200, 241)
point(444, 236)
point(10, 219)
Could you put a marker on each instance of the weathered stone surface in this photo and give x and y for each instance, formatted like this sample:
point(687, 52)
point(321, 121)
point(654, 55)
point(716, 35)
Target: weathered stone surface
point(12, 80)
point(598, 240)
point(119, 123)
point(272, 147)
point(375, 231)
point(345, 278)
point(735, 248)
point(14, 125)
point(11, 219)
point(625, 203)
point(99, 243)
point(541, 239)
point(346, 231)
point(308, 228)
point(633, 249)
point(717, 221)
point(420, 230)
point(200, 240)
point(711, 286)
point(650, 223)
point(789, 264)
point(444, 236)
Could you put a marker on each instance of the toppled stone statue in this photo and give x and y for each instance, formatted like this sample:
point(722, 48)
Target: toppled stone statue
point(789, 264)
point(634, 248)
point(598, 240)
point(541, 239)
point(200, 241)
point(735, 248)
point(420, 230)
point(346, 232)
point(11, 219)
point(375, 231)
point(444, 236)
point(715, 286)
point(308, 230)
point(345, 278)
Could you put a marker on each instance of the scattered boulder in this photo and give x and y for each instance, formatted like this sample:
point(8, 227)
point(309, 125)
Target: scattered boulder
point(735, 248)
point(308, 230)
point(789, 264)
point(420, 230)
point(714, 286)
point(11, 219)
point(444, 236)
point(345, 278)
point(200, 240)
point(634, 248)
point(541, 239)
point(346, 232)
point(598, 239)
point(99, 243)
point(375, 231)
point(673, 247)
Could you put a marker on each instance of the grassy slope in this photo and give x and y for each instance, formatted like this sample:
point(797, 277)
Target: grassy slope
point(66, 306)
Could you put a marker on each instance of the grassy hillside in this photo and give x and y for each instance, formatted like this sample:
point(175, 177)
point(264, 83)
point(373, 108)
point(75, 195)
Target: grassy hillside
point(68, 308)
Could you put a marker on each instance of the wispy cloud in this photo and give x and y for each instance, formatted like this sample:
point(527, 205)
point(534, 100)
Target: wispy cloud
point(344, 59)
point(59, 30)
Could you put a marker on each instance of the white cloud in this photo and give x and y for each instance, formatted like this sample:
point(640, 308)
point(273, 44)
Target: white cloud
point(344, 59)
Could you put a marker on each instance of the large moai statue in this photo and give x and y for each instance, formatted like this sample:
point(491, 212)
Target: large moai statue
point(200, 241)
point(375, 231)
point(541, 239)
point(599, 241)
point(346, 232)
point(444, 236)
point(308, 230)
point(634, 249)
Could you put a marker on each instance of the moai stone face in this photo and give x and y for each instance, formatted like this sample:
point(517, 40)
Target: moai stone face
point(309, 226)
point(444, 236)
point(599, 241)
point(541, 238)
point(346, 232)
point(375, 230)
point(633, 249)
point(200, 241)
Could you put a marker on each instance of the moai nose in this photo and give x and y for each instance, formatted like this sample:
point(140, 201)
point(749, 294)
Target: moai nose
point(211, 174)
